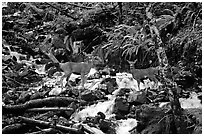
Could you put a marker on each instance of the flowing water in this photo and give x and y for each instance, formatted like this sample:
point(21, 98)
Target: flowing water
point(191, 102)
point(91, 111)
point(124, 80)
point(123, 126)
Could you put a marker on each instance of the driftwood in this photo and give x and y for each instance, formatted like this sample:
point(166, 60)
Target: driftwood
point(48, 124)
point(49, 102)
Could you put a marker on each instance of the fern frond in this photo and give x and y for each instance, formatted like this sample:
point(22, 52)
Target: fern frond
point(127, 45)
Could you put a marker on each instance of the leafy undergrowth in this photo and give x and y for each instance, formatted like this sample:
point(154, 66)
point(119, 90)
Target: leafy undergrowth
point(113, 101)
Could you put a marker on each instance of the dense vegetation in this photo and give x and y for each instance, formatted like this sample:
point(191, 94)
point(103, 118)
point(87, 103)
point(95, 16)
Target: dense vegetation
point(114, 31)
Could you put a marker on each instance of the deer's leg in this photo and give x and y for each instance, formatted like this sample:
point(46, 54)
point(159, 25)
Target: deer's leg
point(62, 78)
point(153, 78)
point(68, 80)
point(82, 82)
point(82, 79)
point(138, 82)
point(156, 80)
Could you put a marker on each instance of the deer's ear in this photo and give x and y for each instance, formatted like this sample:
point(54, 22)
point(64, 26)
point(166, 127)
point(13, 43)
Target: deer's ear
point(135, 61)
point(97, 57)
point(128, 61)
point(87, 55)
point(132, 62)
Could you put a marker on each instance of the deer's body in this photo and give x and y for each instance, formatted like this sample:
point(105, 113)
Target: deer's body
point(138, 74)
point(76, 67)
point(82, 68)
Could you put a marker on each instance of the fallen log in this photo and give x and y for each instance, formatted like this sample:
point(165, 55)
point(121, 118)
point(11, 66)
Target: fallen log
point(45, 109)
point(91, 130)
point(48, 124)
point(39, 103)
point(46, 131)
point(15, 129)
point(80, 6)
point(60, 10)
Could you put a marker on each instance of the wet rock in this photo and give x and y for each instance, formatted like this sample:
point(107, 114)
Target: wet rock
point(120, 115)
point(147, 112)
point(103, 124)
point(108, 71)
point(148, 117)
point(67, 114)
point(111, 80)
point(110, 84)
point(110, 87)
point(95, 120)
point(152, 129)
point(121, 107)
point(122, 104)
point(107, 126)
point(155, 120)
point(92, 121)
point(92, 95)
point(123, 92)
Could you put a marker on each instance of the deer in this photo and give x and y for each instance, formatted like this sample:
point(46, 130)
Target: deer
point(82, 68)
point(138, 74)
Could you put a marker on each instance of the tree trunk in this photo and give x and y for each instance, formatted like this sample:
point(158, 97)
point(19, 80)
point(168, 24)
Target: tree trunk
point(120, 12)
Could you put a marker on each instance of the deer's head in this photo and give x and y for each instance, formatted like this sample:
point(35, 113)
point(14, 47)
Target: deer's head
point(132, 63)
point(95, 60)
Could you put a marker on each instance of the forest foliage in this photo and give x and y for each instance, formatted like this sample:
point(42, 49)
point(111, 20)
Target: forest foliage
point(114, 31)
